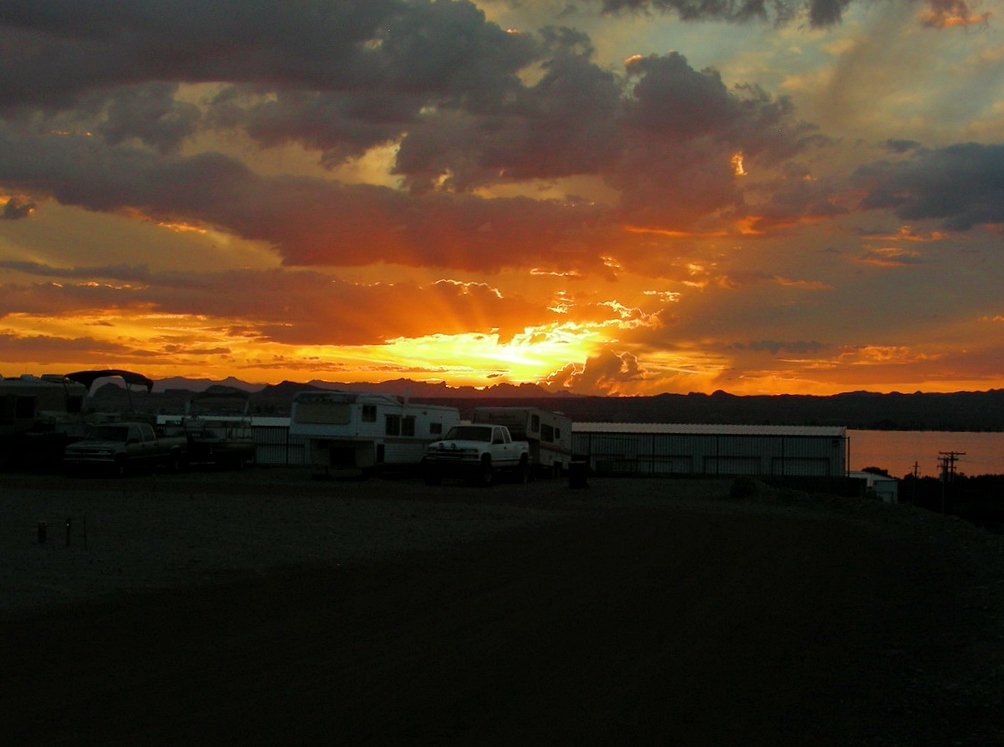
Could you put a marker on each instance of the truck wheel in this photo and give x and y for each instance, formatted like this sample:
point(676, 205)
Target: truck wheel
point(486, 477)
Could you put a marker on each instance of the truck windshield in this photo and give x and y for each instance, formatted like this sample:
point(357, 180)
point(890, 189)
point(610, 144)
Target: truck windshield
point(108, 433)
point(469, 433)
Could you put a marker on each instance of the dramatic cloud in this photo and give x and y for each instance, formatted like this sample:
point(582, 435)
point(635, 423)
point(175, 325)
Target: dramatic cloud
point(15, 208)
point(584, 192)
point(326, 311)
point(670, 149)
point(960, 185)
point(609, 373)
point(820, 13)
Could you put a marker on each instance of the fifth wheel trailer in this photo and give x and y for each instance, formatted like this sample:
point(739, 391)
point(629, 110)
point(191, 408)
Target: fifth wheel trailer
point(549, 434)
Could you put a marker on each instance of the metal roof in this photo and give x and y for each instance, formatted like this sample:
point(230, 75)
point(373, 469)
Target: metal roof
point(698, 429)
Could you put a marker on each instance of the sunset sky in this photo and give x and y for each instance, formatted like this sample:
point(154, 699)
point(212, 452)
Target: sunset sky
point(600, 196)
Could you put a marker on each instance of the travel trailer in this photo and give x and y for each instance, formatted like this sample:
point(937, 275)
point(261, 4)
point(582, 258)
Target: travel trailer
point(366, 431)
point(26, 400)
point(549, 434)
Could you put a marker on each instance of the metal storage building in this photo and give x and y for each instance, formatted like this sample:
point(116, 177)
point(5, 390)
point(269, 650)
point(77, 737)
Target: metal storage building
point(709, 450)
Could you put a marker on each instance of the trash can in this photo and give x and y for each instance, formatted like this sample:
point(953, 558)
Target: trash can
point(578, 470)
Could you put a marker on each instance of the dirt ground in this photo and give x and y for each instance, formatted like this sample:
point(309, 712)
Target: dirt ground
point(265, 608)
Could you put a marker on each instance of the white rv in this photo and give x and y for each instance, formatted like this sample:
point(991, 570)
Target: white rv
point(366, 431)
point(549, 434)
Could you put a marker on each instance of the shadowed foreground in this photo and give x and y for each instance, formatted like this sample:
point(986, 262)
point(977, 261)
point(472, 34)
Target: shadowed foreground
point(642, 626)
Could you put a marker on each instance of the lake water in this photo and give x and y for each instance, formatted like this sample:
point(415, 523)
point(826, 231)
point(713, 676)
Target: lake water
point(898, 451)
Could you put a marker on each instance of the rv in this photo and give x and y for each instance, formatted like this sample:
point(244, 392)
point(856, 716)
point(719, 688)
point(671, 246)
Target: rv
point(549, 434)
point(27, 401)
point(366, 431)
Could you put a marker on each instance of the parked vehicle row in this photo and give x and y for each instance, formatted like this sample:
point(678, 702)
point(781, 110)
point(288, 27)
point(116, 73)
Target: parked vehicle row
point(368, 432)
point(44, 424)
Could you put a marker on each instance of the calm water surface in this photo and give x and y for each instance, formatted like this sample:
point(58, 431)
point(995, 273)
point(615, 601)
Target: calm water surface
point(898, 451)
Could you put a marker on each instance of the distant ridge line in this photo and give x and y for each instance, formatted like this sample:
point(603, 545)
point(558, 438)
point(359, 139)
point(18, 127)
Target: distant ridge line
point(958, 411)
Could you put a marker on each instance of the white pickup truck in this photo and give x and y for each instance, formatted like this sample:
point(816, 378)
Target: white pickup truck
point(123, 447)
point(477, 452)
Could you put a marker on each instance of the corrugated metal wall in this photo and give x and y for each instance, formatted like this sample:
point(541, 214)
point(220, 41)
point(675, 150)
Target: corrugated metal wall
point(274, 446)
point(653, 453)
point(703, 454)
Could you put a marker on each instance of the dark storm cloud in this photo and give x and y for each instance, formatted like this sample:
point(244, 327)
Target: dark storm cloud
point(124, 272)
point(340, 125)
point(820, 13)
point(58, 50)
point(665, 134)
point(478, 128)
point(342, 77)
point(562, 125)
point(310, 221)
point(150, 113)
point(66, 47)
point(960, 185)
point(683, 130)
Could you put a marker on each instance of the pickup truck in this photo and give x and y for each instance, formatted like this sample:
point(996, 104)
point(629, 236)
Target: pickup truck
point(123, 447)
point(477, 452)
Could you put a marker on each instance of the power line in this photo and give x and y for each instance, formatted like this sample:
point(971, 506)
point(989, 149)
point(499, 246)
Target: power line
point(946, 461)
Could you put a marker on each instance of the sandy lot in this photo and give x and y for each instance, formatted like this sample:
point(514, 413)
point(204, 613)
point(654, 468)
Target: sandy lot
point(106, 536)
point(265, 608)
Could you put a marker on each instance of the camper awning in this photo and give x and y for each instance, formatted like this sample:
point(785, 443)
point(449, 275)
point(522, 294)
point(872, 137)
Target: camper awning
point(89, 377)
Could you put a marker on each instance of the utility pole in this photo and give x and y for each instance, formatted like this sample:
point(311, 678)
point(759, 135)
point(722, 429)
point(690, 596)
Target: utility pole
point(947, 460)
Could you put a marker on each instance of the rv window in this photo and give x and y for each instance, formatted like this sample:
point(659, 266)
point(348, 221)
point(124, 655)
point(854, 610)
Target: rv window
point(393, 425)
point(323, 413)
point(408, 426)
point(369, 413)
point(547, 433)
point(435, 428)
point(535, 423)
